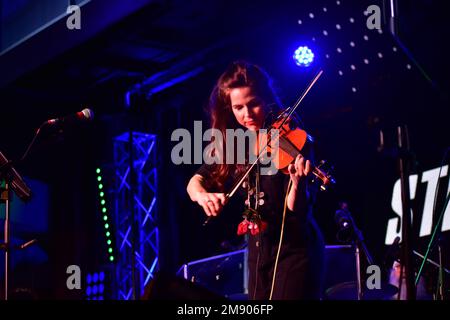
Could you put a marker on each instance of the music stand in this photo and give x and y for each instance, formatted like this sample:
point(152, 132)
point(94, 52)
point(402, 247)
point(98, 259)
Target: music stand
point(10, 180)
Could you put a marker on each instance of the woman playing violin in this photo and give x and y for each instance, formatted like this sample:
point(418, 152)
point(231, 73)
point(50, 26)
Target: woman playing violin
point(279, 206)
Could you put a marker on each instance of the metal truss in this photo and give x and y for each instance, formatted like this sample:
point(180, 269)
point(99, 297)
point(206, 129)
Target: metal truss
point(137, 258)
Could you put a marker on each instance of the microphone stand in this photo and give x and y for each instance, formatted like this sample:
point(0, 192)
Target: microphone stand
point(5, 198)
point(404, 155)
point(360, 244)
point(11, 182)
point(345, 220)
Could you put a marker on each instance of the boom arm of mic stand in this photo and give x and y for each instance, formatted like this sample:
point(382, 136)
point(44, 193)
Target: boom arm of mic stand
point(437, 265)
point(364, 247)
point(359, 245)
point(360, 240)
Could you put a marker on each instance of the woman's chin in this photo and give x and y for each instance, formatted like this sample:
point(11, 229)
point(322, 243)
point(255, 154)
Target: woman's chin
point(252, 127)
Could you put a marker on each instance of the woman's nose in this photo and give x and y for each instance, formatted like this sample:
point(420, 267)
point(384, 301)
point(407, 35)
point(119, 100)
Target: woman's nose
point(248, 111)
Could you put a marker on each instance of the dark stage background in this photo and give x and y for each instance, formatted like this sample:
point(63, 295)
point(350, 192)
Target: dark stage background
point(123, 43)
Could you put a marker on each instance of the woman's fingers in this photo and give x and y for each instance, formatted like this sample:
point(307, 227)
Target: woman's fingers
point(204, 202)
point(215, 203)
point(213, 207)
point(212, 203)
point(301, 166)
point(221, 197)
point(206, 209)
point(291, 168)
point(307, 167)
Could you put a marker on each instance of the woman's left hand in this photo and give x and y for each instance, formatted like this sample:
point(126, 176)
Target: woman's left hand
point(299, 170)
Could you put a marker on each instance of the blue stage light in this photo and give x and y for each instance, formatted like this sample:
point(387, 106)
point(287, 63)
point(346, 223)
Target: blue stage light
point(95, 277)
point(101, 276)
point(303, 56)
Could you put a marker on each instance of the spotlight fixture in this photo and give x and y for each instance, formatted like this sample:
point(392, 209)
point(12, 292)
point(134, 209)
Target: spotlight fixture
point(303, 56)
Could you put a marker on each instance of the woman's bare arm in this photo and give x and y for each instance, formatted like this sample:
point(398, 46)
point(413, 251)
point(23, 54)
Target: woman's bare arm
point(212, 203)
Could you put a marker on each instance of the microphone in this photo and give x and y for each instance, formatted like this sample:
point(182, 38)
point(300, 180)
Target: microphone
point(343, 216)
point(83, 115)
point(342, 219)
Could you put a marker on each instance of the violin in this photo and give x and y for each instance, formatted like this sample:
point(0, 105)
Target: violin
point(289, 142)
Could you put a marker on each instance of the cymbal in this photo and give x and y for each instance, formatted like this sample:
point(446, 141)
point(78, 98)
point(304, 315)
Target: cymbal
point(349, 291)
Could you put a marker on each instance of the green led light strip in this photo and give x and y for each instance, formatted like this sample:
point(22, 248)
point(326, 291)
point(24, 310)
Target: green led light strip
point(105, 217)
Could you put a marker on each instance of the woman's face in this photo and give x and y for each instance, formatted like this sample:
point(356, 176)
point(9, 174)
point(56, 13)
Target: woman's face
point(247, 108)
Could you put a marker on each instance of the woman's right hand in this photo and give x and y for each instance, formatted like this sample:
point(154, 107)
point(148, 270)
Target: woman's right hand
point(212, 203)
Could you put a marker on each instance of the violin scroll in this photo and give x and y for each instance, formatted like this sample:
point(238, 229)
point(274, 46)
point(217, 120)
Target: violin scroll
point(322, 175)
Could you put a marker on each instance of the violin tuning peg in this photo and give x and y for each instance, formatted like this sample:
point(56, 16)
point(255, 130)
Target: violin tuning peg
point(260, 202)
